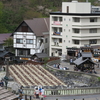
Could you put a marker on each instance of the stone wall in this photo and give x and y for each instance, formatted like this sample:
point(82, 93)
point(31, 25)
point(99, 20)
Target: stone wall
point(73, 79)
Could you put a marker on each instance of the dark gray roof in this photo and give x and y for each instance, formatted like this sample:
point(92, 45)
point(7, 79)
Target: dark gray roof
point(40, 55)
point(4, 37)
point(38, 25)
point(6, 95)
point(86, 54)
point(2, 54)
point(80, 61)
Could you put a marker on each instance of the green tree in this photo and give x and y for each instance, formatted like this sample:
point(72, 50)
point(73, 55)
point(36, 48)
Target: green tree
point(8, 43)
point(2, 27)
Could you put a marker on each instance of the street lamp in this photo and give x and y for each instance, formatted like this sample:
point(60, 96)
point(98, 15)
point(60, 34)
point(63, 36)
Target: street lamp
point(7, 71)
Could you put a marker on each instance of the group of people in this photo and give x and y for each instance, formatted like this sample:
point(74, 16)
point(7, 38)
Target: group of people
point(39, 92)
point(58, 66)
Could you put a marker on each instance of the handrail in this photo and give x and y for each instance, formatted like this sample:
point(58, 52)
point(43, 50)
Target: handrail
point(62, 92)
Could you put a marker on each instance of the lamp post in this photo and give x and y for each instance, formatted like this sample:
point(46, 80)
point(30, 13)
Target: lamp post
point(7, 71)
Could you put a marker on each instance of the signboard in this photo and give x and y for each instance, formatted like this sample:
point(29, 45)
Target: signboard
point(57, 23)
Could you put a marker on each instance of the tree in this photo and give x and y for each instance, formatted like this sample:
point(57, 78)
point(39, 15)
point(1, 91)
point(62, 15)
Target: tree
point(2, 27)
point(8, 43)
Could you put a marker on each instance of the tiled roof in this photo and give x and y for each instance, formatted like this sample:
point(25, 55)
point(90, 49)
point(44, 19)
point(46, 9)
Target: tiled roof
point(41, 55)
point(4, 37)
point(38, 25)
point(80, 61)
point(6, 95)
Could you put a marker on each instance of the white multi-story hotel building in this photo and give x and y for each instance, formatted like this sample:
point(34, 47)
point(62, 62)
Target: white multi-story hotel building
point(75, 26)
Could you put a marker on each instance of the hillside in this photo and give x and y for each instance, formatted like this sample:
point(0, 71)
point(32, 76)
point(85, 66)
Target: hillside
point(13, 12)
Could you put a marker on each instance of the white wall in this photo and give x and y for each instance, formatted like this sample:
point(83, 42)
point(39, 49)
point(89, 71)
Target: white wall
point(76, 7)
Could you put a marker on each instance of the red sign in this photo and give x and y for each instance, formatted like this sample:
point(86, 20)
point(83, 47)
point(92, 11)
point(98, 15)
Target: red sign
point(57, 23)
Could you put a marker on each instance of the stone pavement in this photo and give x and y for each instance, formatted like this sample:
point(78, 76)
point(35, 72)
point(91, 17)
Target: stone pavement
point(71, 67)
point(82, 97)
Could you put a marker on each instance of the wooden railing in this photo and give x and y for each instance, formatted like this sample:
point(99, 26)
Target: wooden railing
point(62, 92)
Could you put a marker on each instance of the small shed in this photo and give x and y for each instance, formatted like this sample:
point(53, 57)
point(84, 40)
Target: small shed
point(85, 62)
point(6, 95)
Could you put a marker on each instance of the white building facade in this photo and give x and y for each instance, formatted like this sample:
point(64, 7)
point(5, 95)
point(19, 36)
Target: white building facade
point(75, 26)
point(30, 37)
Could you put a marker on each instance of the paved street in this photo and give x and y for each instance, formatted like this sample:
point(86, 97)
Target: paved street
point(84, 97)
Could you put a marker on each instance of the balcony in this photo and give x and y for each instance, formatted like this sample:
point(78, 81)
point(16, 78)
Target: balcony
point(57, 45)
point(56, 23)
point(86, 36)
point(57, 33)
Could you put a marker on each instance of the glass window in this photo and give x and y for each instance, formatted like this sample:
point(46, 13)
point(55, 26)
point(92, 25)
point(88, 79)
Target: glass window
point(60, 29)
point(76, 41)
point(46, 40)
point(55, 18)
point(93, 19)
point(60, 18)
point(76, 19)
point(55, 29)
point(93, 30)
point(76, 30)
point(19, 40)
point(21, 52)
point(60, 40)
point(94, 41)
point(29, 41)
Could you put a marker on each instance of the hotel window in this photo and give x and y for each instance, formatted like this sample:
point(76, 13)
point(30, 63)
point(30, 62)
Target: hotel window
point(76, 19)
point(55, 29)
point(94, 30)
point(29, 41)
point(76, 30)
point(55, 18)
point(60, 40)
point(60, 29)
point(93, 19)
point(19, 40)
point(60, 19)
point(94, 41)
point(76, 41)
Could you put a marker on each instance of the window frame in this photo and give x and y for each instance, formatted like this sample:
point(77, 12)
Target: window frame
point(19, 41)
point(76, 19)
point(93, 30)
point(75, 30)
point(28, 41)
point(93, 41)
point(76, 42)
point(93, 19)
